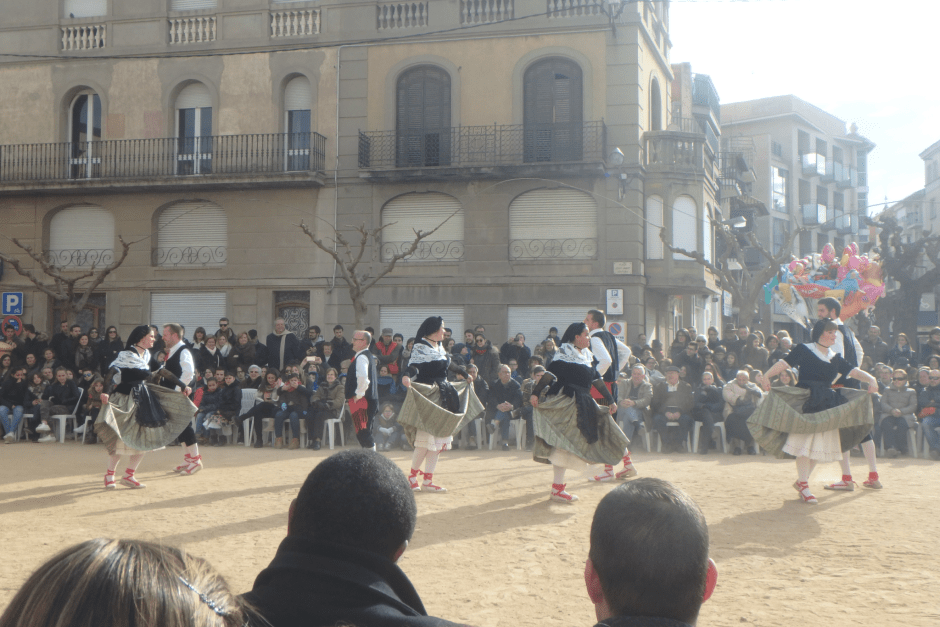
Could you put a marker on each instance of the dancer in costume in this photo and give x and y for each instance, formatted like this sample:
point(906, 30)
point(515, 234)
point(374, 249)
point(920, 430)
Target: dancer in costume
point(434, 409)
point(362, 395)
point(610, 357)
point(571, 429)
point(813, 421)
point(138, 417)
point(179, 362)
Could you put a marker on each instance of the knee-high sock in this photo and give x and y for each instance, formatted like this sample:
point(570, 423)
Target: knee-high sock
point(134, 461)
point(869, 449)
point(559, 474)
point(192, 450)
point(846, 465)
point(430, 462)
point(417, 458)
point(804, 466)
point(113, 461)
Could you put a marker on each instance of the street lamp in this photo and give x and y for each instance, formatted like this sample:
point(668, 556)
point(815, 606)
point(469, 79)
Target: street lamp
point(615, 158)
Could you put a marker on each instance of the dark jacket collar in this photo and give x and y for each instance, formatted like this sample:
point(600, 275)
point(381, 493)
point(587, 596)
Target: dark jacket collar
point(640, 621)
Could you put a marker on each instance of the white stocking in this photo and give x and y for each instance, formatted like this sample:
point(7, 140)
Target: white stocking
point(418, 457)
point(113, 461)
point(134, 462)
point(559, 473)
point(844, 462)
point(430, 462)
point(804, 466)
point(869, 449)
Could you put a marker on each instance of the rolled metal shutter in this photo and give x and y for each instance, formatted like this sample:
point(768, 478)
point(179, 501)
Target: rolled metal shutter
point(194, 96)
point(553, 224)
point(298, 95)
point(192, 5)
point(82, 228)
point(534, 322)
point(684, 218)
point(190, 309)
point(85, 8)
point(406, 320)
point(403, 215)
point(654, 224)
point(192, 226)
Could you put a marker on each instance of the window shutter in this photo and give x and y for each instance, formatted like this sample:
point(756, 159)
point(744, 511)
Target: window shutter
point(406, 320)
point(190, 309)
point(684, 217)
point(298, 95)
point(534, 322)
point(406, 214)
point(192, 233)
point(82, 228)
point(85, 8)
point(553, 223)
point(654, 222)
point(194, 96)
point(553, 92)
point(192, 5)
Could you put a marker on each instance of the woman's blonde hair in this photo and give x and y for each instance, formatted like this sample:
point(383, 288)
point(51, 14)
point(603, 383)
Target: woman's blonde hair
point(125, 583)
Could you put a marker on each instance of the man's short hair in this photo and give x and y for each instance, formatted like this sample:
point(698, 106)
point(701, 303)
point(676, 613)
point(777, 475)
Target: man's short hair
point(649, 546)
point(598, 316)
point(356, 498)
point(338, 327)
point(314, 328)
point(175, 328)
point(831, 304)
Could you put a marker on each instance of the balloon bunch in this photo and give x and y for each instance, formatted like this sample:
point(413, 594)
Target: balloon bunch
point(853, 279)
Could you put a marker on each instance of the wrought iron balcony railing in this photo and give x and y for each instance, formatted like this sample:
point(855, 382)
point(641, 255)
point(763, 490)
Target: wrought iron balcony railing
point(427, 251)
point(190, 256)
point(163, 157)
point(80, 258)
point(532, 249)
point(482, 146)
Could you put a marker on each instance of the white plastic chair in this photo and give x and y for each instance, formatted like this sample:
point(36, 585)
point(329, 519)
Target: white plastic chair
point(64, 418)
point(696, 430)
point(330, 423)
point(659, 438)
point(248, 401)
point(646, 433)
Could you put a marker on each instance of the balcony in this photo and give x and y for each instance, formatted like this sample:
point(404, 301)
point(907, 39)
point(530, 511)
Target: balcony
point(846, 176)
point(813, 214)
point(673, 152)
point(846, 224)
point(813, 164)
point(136, 164)
point(830, 174)
point(474, 152)
point(705, 95)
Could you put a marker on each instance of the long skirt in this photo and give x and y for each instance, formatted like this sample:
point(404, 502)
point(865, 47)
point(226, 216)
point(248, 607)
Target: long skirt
point(427, 424)
point(780, 426)
point(558, 440)
point(119, 431)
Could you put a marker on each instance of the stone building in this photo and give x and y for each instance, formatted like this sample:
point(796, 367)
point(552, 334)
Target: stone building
point(206, 130)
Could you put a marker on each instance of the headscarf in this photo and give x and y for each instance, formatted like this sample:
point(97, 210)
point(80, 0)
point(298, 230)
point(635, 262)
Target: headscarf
point(574, 330)
point(137, 335)
point(821, 327)
point(429, 326)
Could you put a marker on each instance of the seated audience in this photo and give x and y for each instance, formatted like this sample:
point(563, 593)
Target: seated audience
point(324, 405)
point(741, 399)
point(672, 402)
point(707, 409)
point(388, 433)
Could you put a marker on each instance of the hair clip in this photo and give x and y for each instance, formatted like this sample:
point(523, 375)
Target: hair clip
point(212, 605)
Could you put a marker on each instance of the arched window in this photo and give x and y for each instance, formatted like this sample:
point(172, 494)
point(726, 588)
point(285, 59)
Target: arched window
point(684, 219)
point(553, 110)
point(191, 234)
point(84, 131)
point(404, 215)
point(194, 130)
point(656, 106)
point(297, 107)
point(423, 117)
point(81, 237)
point(654, 223)
point(552, 224)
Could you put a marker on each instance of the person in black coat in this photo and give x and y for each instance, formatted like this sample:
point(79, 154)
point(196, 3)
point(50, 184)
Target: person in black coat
point(283, 347)
point(707, 407)
point(108, 349)
point(346, 530)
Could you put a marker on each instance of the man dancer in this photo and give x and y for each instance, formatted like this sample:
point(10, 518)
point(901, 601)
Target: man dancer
point(610, 355)
point(362, 395)
point(179, 361)
point(847, 346)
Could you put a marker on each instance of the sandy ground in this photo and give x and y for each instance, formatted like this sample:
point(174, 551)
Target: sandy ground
point(493, 550)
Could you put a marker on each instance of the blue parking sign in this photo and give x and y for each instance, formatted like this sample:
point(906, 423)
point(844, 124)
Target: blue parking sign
point(12, 303)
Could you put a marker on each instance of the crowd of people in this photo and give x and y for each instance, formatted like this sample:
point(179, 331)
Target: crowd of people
point(698, 381)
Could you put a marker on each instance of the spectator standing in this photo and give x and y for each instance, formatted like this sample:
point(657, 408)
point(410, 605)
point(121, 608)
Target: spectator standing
point(85, 354)
point(753, 354)
point(108, 348)
point(283, 346)
point(225, 330)
point(874, 346)
point(388, 352)
point(931, 346)
point(243, 353)
point(486, 358)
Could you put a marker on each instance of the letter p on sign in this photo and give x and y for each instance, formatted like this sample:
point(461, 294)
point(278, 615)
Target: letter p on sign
point(12, 303)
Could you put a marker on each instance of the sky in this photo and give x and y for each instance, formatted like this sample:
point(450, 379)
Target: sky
point(872, 63)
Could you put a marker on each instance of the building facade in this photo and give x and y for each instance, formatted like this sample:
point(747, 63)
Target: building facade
point(205, 131)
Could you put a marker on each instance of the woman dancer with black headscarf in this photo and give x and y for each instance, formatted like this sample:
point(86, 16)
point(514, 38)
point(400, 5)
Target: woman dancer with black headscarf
point(816, 419)
point(138, 417)
point(571, 429)
point(434, 409)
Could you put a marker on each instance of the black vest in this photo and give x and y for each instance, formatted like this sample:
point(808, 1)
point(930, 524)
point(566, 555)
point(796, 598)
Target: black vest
point(173, 365)
point(372, 393)
point(848, 353)
point(610, 376)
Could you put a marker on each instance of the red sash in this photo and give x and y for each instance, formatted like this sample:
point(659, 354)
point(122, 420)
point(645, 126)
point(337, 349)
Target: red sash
point(597, 396)
point(359, 410)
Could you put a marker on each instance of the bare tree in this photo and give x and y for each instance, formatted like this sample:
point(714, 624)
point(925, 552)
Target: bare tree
point(356, 268)
point(904, 262)
point(68, 288)
point(746, 285)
